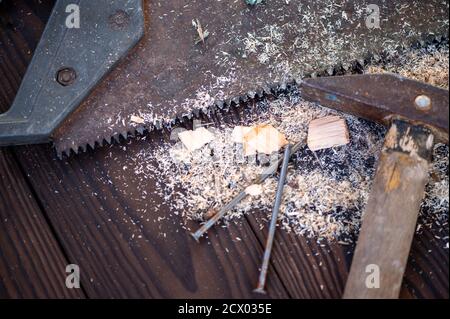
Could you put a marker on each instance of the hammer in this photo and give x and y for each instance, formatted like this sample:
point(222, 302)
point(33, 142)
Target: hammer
point(417, 117)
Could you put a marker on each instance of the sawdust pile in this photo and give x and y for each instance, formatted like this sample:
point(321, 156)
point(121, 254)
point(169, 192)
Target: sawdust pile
point(290, 49)
point(321, 200)
point(434, 209)
point(429, 64)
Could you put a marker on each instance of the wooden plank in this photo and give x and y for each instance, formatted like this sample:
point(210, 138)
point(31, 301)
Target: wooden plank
point(114, 265)
point(32, 264)
point(308, 269)
point(312, 270)
point(129, 247)
point(21, 25)
point(427, 272)
point(94, 221)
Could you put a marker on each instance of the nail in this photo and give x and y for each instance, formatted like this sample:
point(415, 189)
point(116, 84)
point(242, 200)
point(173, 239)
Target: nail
point(202, 230)
point(266, 174)
point(273, 222)
point(317, 158)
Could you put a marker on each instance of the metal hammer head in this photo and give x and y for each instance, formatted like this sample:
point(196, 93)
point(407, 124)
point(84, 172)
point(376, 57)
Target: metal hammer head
point(382, 98)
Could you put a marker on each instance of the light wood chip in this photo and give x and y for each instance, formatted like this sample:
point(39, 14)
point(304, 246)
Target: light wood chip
point(262, 138)
point(326, 132)
point(194, 140)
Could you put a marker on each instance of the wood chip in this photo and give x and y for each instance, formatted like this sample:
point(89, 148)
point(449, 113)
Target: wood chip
point(254, 190)
point(262, 138)
point(239, 132)
point(137, 119)
point(196, 139)
point(326, 132)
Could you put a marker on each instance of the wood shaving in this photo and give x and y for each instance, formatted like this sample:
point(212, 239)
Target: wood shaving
point(202, 34)
point(254, 190)
point(137, 119)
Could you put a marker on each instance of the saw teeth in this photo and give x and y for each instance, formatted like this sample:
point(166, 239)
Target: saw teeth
point(330, 71)
point(357, 65)
point(266, 90)
point(274, 88)
point(219, 104)
point(361, 62)
point(116, 138)
point(108, 140)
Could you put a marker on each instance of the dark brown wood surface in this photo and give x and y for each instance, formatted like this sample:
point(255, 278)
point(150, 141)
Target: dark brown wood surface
point(99, 225)
point(32, 263)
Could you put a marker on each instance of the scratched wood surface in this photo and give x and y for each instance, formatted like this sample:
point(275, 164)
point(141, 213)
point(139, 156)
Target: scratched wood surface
point(93, 209)
point(32, 263)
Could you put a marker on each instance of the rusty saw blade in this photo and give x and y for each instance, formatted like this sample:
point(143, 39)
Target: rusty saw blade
point(201, 54)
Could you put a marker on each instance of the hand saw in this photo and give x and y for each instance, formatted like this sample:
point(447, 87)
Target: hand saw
point(163, 61)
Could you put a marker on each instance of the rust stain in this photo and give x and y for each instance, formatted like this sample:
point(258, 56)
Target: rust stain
point(394, 168)
point(394, 180)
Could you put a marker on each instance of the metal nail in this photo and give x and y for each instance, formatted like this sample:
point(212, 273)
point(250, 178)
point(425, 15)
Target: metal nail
point(236, 200)
point(273, 222)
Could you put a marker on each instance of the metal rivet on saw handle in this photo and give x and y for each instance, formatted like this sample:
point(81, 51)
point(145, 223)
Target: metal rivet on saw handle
point(422, 103)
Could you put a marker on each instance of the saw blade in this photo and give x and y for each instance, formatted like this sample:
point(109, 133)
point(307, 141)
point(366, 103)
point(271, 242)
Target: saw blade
point(201, 54)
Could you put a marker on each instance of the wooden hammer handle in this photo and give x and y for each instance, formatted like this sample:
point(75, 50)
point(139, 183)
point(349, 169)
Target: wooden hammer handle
point(389, 221)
